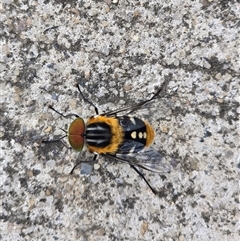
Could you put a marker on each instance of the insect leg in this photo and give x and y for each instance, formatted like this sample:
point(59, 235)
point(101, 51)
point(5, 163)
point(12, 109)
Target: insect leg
point(134, 168)
point(46, 30)
point(60, 139)
point(88, 101)
point(78, 163)
point(142, 176)
point(57, 140)
point(65, 116)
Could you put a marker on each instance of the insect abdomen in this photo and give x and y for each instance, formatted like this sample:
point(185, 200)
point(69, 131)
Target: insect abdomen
point(137, 130)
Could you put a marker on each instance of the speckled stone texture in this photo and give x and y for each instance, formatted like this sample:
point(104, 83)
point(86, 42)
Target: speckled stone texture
point(120, 52)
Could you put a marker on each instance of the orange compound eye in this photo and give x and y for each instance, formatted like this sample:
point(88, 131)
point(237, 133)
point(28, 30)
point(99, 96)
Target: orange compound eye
point(76, 134)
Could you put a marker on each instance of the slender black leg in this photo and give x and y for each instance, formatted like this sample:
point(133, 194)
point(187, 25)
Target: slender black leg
point(65, 116)
point(142, 176)
point(60, 139)
point(78, 163)
point(136, 170)
point(57, 140)
point(88, 101)
point(46, 30)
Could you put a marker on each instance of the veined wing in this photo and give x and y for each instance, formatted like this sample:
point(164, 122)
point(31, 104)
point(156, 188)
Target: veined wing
point(147, 158)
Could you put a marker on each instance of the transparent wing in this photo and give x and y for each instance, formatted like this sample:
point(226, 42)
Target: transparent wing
point(147, 158)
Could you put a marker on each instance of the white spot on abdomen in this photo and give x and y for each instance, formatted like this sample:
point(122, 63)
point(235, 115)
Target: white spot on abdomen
point(134, 134)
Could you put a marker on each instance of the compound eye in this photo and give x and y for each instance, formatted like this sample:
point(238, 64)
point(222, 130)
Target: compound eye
point(76, 134)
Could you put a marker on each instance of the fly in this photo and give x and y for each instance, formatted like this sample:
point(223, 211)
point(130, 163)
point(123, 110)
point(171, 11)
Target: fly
point(122, 137)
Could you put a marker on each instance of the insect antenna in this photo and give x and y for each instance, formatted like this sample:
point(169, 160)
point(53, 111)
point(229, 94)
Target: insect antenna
point(86, 100)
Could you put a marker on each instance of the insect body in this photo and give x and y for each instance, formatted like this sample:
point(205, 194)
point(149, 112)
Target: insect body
point(111, 135)
point(122, 137)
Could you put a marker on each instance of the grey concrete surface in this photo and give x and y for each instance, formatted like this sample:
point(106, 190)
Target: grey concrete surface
point(120, 52)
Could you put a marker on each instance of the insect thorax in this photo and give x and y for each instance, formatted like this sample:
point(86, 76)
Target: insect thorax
point(98, 134)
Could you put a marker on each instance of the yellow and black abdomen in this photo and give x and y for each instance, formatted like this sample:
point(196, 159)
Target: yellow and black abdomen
point(138, 134)
point(121, 134)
